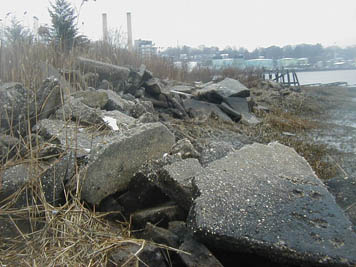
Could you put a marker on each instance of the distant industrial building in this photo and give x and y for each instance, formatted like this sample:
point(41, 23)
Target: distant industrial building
point(145, 48)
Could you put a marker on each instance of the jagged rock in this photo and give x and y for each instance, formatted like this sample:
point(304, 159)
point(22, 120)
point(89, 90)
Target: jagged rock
point(201, 109)
point(148, 255)
point(16, 108)
point(112, 165)
point(233, 114)
point(52, 180)
point(267, 200)
point(160, 215)
point(116, 102)
point(153, 87)
point(141, 107)
point(68, 135)
point(179, 228)
point(9, 147)
point(141, 192)
point(49, 97)
point(185, 149)
point(159, 235)
point(344, 190)
point(175, 180)
point(115, 74)
point(93, 99)
point(216, 92)
point(76, 110)
point(241, 105)
point(200, 255)
point(214, 151)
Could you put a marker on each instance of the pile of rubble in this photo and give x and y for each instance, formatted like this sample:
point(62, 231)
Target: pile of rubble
point(220, 205)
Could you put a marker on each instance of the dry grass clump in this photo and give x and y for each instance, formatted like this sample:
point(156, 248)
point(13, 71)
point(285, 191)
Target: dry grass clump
point(70, 235)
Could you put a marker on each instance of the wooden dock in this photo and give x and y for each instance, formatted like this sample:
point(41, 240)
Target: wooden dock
point(285, 77)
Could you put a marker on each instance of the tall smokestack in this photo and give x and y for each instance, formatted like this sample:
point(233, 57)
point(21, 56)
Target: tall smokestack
point(129, 31)
point(105, 27)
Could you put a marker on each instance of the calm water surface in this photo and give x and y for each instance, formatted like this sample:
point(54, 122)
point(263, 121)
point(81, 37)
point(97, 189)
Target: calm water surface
point(329, 76)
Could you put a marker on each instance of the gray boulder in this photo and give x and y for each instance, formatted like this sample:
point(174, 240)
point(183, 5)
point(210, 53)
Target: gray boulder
point(116, 74)
point(9, 147)
point(199, 255)
point(16, 108)
point(116, 102)
point(49, 97)
point(175, 180)
point(112, 165)
point(241, 106)
point(266, 199)
point(52, 180)
point(93, 99)
point(215, 150)
point(203, 110)
point(81, 140)
point(74, 109)
point(344, 190)
point(216, 92)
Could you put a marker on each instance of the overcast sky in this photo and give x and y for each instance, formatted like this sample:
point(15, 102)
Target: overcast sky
point(249, 24)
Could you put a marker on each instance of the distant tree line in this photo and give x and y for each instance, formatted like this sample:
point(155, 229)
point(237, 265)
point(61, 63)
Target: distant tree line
point(314, 53)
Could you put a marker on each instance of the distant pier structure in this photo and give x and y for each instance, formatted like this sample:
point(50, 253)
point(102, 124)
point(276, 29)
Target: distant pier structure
point(287, 77)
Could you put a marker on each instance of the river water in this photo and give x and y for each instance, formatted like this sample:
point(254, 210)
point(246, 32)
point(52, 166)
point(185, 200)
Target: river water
point(330, 76)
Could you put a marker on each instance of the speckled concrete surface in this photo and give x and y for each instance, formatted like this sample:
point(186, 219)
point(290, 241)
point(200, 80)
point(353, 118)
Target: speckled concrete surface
point(266, 199)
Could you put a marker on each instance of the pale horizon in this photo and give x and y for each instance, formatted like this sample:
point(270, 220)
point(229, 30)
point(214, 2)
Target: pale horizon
point(250, 24)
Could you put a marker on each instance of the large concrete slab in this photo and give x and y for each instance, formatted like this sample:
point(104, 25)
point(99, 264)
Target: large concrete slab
point(113, 164)
point(266, 200)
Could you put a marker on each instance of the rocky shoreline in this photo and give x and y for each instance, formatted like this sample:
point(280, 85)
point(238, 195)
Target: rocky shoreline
point(173, 161)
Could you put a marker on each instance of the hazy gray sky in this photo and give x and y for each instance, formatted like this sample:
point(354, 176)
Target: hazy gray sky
point(250, 24)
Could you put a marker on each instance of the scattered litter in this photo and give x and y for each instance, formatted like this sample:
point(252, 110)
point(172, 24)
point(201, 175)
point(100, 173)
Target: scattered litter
point(111, 122)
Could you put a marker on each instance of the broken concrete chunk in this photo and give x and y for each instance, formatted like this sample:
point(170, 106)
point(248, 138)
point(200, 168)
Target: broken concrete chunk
point(214, 151)
point(233, 114)
point(16, 108)
point(159, 235)
point(203, 110)
point(116, 102)
point(69, 136)
point(49, 97)
point(344, 190)
point(105, 71)
point(200, 255)
point(153, 87)
point(52, 180)
point(267, 199)
point(159, 215)
point(216, 92)
point(93, 99)
point(241, 106)
point(112, 165)
point(76, 110)
point(175, 180)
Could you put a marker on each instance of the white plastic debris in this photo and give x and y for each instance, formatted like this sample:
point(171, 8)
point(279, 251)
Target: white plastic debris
point(111, 122)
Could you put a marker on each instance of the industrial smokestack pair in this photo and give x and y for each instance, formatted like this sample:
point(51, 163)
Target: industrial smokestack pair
point(129, 29)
